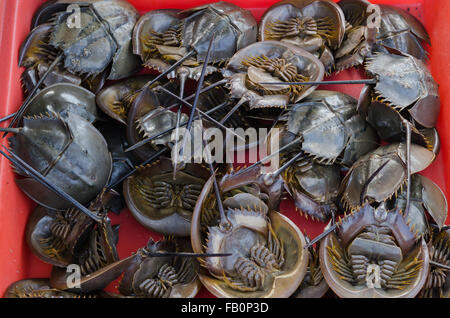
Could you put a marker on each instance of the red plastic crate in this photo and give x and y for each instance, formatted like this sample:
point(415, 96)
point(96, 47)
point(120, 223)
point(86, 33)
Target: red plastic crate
point(18, 262)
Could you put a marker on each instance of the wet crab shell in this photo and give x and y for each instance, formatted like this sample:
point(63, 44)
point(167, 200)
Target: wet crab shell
point(398, 237)
point(406, 84)
point(61, 99)
point(346, 290)
point(115, 100)
point(29, 53)
point(438, 282)
point(90, 51)
point(320, 39)
point(237, 29)
point(314, 190)
point(390, 127)
point(330, 128)
point(316, 9)
point(153, 21)
point(39, 288)
point(97, 254)
point(233, 27)
point(281, 284)
point(398, 29)
point(40, 225)
point(146, 267)
point(305, 63)
point(146, 102)
point(173, 217)
point(380, 174)
point(77, 161)
point(36, 55)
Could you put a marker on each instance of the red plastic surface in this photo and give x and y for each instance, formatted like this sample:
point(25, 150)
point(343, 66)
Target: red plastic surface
point(17, 261)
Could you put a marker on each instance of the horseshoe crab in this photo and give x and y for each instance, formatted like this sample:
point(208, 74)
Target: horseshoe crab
point(162, 37)
point(314, 25)
point(69, 237)
point(376, 252)
point(398, 30)
point(35, 55)
point(404, 90)
point(139, 125)
point(330, 128)
point(268, 259)
point(313, 285)
point(63, 98)
point(271, 61)
point(76, 160)
point(161, 277)
point(437, 284)
point(381, 174)
point(116, 100)
point(39, 288)
point(90, 49)
point(161, 203)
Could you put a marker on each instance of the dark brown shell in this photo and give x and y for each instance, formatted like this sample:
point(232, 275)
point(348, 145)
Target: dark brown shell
point(115, 100)
point(174, 216)
point(146, 267)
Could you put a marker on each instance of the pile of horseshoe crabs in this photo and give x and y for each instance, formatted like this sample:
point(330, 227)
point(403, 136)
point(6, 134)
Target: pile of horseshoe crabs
point(98, 131)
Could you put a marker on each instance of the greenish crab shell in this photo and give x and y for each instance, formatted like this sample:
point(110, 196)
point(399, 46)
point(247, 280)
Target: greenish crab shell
point(77, 160)
point(91, 48)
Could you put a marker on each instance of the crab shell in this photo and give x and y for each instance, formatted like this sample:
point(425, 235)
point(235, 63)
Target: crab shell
point(389, 124)
point(77, 160)
point(82, 53)
point(406, 231)
point(316, 9)
point(115, 93)
point(331, 128)
point(306, 289)
point(404, 82)
point(438, 246)
point(234, 28)
point(28, 56)
point(38, 228)
point(315, 190)
point(307, 64)
point(380, 174)
point(144, 267)
point(170, 220)
point(145, 102)
point(346, 290)
point(99, 253)
point(282, 284)
point(398, 29)
point(39, 288)
point(62, 98)
point(35, 55)
point(287, 9)
point(432, 198)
